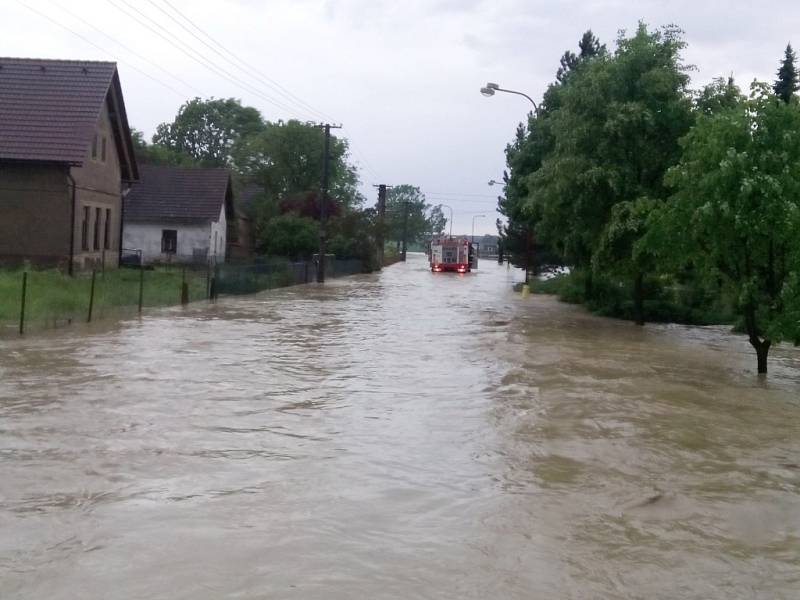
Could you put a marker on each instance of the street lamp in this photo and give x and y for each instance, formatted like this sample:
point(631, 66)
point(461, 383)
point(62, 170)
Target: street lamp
point(489, 91)
point(491, 88)
point(473, 226)
point(451, 217)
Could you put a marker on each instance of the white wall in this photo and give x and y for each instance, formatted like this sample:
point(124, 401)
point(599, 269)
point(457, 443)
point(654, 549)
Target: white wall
point(147, 238)
point(219, 230)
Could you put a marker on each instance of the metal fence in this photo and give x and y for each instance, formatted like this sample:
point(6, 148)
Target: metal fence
point(37, 299)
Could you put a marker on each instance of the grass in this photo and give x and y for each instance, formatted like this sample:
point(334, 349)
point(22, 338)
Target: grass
point(53, 297)
point(665, 301)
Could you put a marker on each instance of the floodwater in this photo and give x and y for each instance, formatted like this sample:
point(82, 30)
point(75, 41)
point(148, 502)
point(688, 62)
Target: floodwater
point(401, 435)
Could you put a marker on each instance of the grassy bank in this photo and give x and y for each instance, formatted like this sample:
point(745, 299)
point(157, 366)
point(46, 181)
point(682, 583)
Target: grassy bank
point(53, 297)
point(667, 301)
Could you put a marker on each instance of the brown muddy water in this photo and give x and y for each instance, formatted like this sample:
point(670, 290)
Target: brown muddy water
point(402, 435)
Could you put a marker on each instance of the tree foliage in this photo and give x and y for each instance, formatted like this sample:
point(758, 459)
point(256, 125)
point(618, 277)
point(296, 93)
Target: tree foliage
point(207, 130)
point(407, 210)
point(736, 207)
point(156, 154)
point(788, 82)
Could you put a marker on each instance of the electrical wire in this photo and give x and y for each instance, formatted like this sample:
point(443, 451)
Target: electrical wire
point(197, 57)
point(236, 61)
point(91, 43)
point(128, 48)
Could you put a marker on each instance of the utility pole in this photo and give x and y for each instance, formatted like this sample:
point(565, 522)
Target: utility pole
point(323, 216)
point(405, 229)
point(381, 222)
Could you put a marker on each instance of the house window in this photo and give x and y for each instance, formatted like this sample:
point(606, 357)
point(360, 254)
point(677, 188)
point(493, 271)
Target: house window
point(97, 213)
point(94, 148)
point(107, 231)
point(85, 229)
point(169, 241)
point(103, 149)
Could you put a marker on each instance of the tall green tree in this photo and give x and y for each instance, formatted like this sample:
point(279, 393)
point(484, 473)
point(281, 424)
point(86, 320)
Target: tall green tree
point(788, 82)
point(736, 211)
point(533, 142)
point(616, 133)
point(285, 159)
point(207, 130)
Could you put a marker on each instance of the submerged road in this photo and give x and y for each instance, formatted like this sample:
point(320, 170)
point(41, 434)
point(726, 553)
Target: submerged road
point(396, 435)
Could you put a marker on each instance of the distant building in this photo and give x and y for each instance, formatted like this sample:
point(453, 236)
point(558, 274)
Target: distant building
point(180, 214)
point(66, 160)
point(488, 246)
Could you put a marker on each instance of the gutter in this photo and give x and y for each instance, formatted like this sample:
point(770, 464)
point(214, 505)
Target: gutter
point(123, 194)
point(70, 267)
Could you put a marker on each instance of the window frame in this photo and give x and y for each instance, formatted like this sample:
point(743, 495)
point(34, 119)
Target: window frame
point(85, 229)
point(96, 237)
point(166, 247)
point(107, 231)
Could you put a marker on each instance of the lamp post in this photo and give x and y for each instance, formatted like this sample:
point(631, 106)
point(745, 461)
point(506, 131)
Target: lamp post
point(490, 88)
point(473, 226)
point(494, 182)
point(451, 217)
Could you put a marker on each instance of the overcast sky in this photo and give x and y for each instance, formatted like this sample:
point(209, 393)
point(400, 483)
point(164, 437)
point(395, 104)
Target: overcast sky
point(403, 77)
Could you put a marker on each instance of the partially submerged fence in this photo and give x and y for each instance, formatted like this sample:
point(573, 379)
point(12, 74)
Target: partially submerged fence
point(50, 298)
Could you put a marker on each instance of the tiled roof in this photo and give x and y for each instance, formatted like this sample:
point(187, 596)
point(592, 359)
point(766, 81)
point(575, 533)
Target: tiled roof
point(49, 108)
point(177, 194)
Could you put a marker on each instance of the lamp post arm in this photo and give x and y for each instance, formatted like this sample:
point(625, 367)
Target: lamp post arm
point(536, 108)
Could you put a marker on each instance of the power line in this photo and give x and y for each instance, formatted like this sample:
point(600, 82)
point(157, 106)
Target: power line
point(91, 43)
point(461, 194)
point(128, 48)
point(253, 70)
point(247, 67)
point(193, 54)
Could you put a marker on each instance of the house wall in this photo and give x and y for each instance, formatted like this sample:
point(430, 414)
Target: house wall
point(98, 184)
point(192, 241)
point(34, 214)
point(217, 241)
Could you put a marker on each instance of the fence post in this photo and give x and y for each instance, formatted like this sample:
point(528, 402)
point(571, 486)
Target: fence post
point(305, 262)
point(141, 286)
point(213, 285)
point(22, 304)
point(91, 297)
point(184, 289)
point(208, 279)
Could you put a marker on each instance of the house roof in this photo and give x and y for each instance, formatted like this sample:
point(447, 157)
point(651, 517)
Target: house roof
point(179, 195)
point(49, 110)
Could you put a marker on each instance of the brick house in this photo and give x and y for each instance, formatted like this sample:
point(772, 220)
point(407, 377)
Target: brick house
point(180, 214)
point(66, 161)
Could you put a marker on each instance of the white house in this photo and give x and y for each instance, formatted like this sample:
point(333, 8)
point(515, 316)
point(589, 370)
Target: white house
point(179, 214)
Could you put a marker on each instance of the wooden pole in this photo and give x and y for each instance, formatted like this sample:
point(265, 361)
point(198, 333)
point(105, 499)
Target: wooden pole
point(22, 304)
point(141, 286)
point(91, 297)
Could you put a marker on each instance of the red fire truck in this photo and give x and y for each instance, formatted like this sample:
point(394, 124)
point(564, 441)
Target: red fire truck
point(452, 254)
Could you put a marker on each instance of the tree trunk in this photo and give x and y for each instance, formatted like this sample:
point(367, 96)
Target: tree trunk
point(762, 349)
point(761, 346)
point(638, 299)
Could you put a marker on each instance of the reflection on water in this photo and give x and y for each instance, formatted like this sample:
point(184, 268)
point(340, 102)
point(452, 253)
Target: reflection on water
point(402, 435)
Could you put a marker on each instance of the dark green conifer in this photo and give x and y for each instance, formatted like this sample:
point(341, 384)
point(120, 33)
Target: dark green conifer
point(787, 83)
